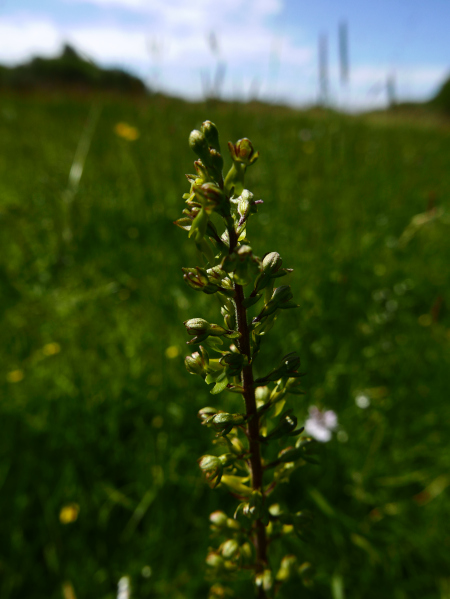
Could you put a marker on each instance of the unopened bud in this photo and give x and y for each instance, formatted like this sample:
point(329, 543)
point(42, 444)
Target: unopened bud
point(246, 552)
point(217, 591)
point(214, 560)
point(291, 362)
point(216, 161)
point(282, 294)
point(238, 446)
point(264, 580)
point(255, 504)
point(281, 299)
point(197, 278)
point(244, 204)
point(206, 413)
point(195, 364)
point(224, 422)
point(229, 548)
point(233, 363)
point(212, 468)
point(197, 326)
point(227, 459)
point(199, 145)
point(287, 568)
point(211, 197)
point(211, 134)
point(271, 263)
point(243, 151)
point(219, 519)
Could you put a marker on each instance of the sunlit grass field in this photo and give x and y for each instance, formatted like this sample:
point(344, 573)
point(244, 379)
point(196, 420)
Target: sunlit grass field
point(99, 434)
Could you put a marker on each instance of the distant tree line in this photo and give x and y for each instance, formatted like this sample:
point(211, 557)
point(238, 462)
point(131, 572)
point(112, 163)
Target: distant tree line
point(68, 71)
point(442, 99)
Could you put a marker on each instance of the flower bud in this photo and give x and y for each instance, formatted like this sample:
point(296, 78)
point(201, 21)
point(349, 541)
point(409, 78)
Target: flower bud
point(198, 279)
point(281, 299)
point(232, 524)
point(216, 162)
point(282, 294)
point(195, 364)
point(236, 484)
point(214, 560)
point(197, 326)
point(224, 422)
point(255, 504)
point(291, 362)
point(227, 459)
point(211, 134)
point(243, 155)
point(233, 363)
point(243, 152)
point(245, 205)
point(217, 331)
point(202, 173)
point(262, 395)
point(219, 519)
point(288, 568)
point(246, 553)
point(206, 413)
point(217, 591)
point(212, 468)
point(212, 198)
point(242, 263)
point(238, 446)
point(199, 226)
point(199, 145)
point(264, 580)
point(229, 549)
point(271, 263)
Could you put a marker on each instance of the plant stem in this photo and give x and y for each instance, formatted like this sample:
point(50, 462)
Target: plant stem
point(256, 470)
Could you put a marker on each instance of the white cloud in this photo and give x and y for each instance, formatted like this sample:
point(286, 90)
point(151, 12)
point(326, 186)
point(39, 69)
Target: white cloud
point(21, 39)
point(176, 8)
point(110, 45)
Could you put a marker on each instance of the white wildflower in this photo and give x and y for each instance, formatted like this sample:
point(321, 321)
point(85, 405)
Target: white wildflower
point(321, 424)
point(362, 401)
point(123, 588)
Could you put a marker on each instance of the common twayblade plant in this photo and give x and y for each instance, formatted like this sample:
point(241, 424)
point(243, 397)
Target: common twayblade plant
point(225, 357)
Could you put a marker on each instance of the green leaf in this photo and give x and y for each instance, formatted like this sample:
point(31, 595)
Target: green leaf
point(250, 301)
point(232, 335)
point(279, 407)
point(199, 224)
point(286, 305)
point(219, 387)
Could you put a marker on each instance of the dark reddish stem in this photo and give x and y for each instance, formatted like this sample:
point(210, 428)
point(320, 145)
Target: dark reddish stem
point(252, 430)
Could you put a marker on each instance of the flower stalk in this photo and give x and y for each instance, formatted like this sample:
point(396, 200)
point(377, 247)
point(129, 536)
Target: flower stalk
point(250, 305)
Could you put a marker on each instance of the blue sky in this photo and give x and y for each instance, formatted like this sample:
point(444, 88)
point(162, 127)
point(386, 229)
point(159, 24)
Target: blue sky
point(268, 48)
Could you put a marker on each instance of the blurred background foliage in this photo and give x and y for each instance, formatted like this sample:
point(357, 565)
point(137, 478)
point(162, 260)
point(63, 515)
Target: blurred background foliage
point(99, 442)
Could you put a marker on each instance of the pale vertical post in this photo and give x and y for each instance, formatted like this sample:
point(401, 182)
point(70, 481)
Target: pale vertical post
point(323, 70)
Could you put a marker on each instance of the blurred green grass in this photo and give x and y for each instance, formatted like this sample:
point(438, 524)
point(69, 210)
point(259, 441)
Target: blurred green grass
point(96, 412)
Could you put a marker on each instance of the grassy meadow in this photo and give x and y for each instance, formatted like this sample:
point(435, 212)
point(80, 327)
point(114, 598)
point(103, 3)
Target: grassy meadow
point(98, 413)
